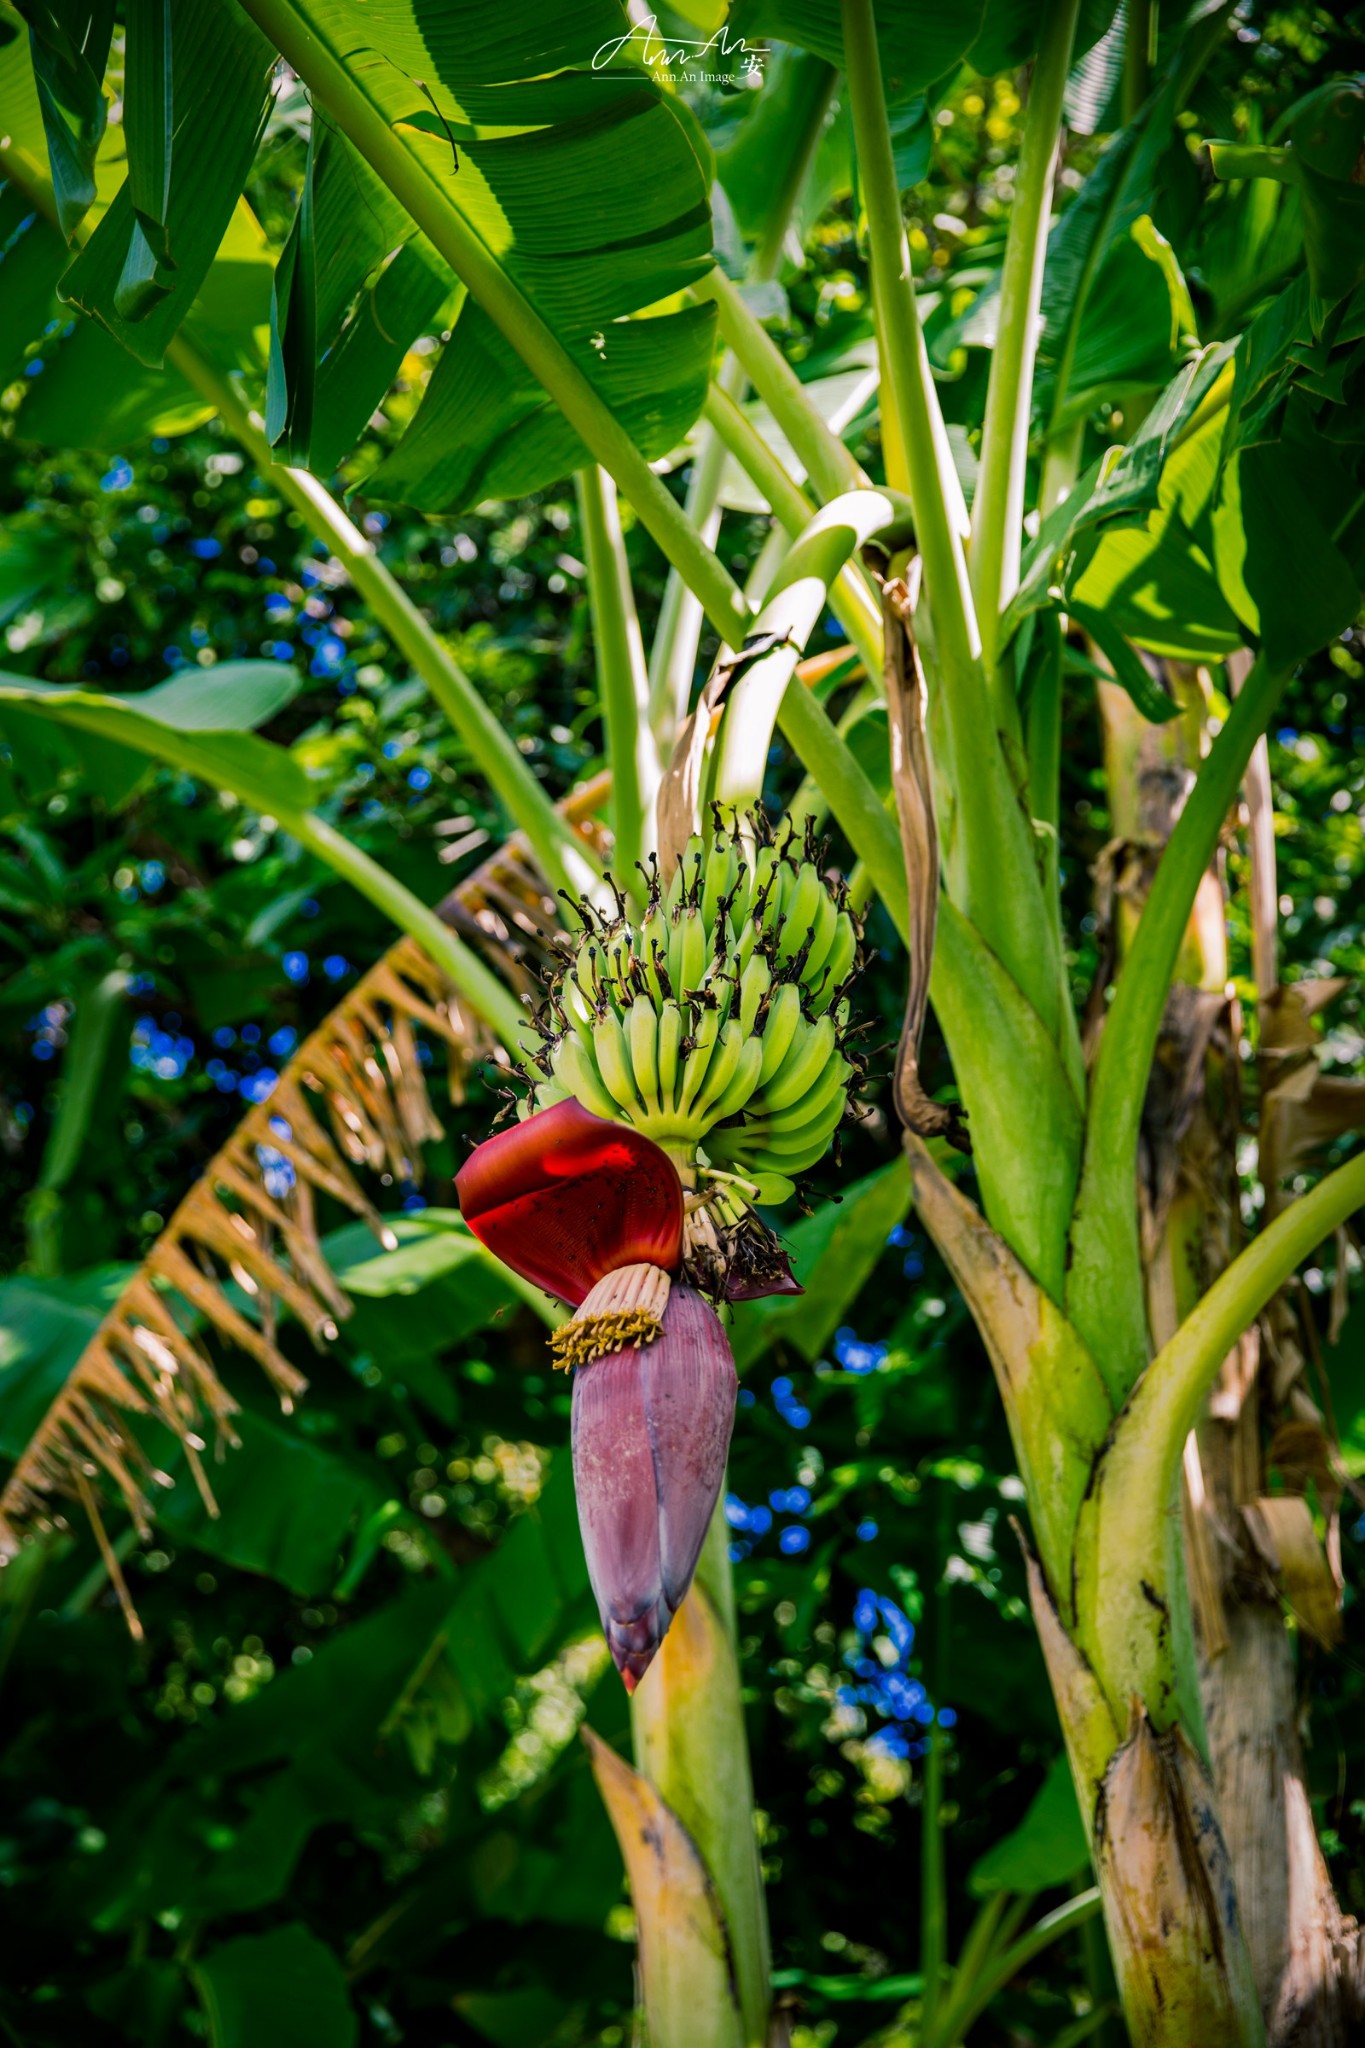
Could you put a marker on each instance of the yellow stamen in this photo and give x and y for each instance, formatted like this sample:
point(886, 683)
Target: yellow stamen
point(626, 1307)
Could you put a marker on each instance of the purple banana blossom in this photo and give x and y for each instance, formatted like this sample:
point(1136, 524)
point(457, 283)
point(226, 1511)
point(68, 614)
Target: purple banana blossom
point(651, 1431)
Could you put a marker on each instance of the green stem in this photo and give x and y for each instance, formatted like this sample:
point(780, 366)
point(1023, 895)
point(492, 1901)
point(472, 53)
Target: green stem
point(98, 1008)
point(998, 507)
point(564, 860)
point(933, 1880)
point(808, 801)
point(969, 2001)
point(193, 755)
point(333, 87)
point(857, 809)
point(677, 636)
point(829, 466)
point(850, 599)
point(687, 1719)
point(622, 683)
point(991, 864)
point(1045, 753)
point(907, 383)
point(1137, 1473)
point(794, 606)
point(1139, 54)
point(673, 655)
point(1104, 1290)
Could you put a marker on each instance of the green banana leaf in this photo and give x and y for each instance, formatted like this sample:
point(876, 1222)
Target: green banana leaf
point(590, 188)
point(355, 285)
point(222, 70)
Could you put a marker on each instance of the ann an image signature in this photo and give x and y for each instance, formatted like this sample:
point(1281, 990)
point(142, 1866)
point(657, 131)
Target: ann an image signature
point(679, 53)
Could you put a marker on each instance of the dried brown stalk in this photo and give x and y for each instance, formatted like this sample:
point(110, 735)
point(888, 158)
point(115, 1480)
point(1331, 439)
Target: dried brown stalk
point(352, 1100)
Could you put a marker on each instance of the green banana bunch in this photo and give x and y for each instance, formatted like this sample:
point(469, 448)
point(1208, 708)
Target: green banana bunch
point(717, 1024)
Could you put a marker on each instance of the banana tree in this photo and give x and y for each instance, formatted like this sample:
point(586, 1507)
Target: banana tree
point(556, 198)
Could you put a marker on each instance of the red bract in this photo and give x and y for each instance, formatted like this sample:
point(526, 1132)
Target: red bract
point(566, 1197)
point(651, 1431)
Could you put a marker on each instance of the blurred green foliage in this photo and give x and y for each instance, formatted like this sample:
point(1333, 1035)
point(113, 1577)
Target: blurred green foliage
point(342, 1763)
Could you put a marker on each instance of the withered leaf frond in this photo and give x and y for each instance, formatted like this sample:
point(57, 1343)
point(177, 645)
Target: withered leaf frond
point(350, 1107)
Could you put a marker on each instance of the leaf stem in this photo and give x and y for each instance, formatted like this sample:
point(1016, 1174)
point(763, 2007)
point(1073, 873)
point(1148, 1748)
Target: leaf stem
point(998, 508)
point(850, 599)
point(563, 858)
point(673, 654)
point(193, 754)
point(622, 683)
point(991, 861)
point(969, 2001)
point(1136, 1475)
point(798, 597)
point(1104, 1289)
point(337, 91)
point(829, 466)
point(907, 383)
point(933, 1959)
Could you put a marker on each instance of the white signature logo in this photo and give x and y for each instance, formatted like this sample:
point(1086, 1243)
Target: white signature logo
point(679, 53)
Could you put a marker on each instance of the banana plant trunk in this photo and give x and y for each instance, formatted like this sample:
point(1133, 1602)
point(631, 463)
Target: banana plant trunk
point(1302, 1953)
point(1144, 1790)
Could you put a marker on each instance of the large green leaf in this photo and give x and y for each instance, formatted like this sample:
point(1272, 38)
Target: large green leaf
point(70, 41)
point(355, 285)
point(190, 722)
point(1277, 560)
point(832, 1253)
point(756, 153)
point(653, 374)
point(285, 1506)
point(149, 119)
point(411, 1305)
point(336, 1738)
point(277, 1990)
point(1047, 1848)
point(1328, 138)
point(588, 188)
point(1152, 582)
point(221, 68)
point(919, 39)
point(32, 257)
point(44, 1327)
point(92, 394)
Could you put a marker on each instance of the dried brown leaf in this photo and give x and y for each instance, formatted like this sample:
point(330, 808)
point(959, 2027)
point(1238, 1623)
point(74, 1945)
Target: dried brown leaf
point(910, 779)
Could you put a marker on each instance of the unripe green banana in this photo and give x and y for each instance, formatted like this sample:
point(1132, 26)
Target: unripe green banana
point(741, 1084)
point(576, 1002)
point(669, 1040)
point(642, 1039)
point(613, 1063)
point(754, 984)
point(814, 1049)
point(798, 1158)
point(784, 1018)
point(823, 929)
point(722, 867)
point(799, 910)
point(829, 1086)
point(762, 1083)
point(689, 952)
point(653, 933)
point(698, 1060)
point(725, 1058)
point(842, 953)
point(577, 1071)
